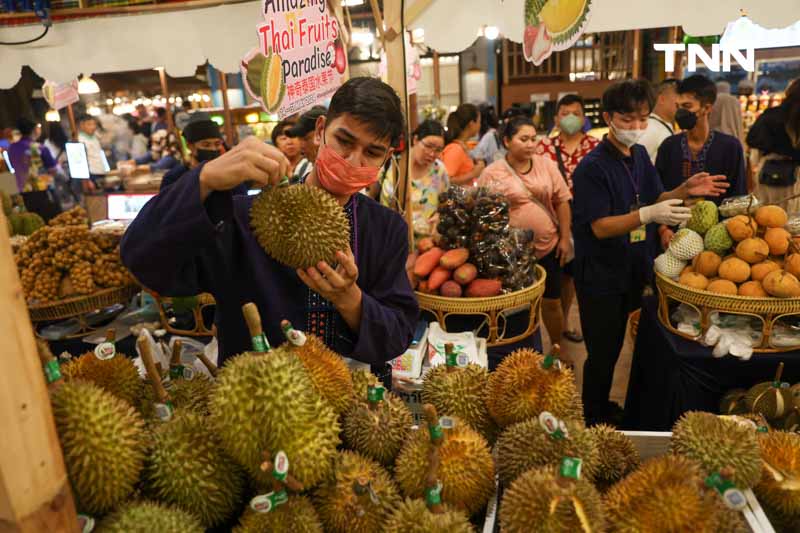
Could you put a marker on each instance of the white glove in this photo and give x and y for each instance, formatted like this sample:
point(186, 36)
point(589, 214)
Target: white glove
point(668, 212)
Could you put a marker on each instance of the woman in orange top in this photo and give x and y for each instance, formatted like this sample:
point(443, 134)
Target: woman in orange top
point(462, 124)
point(539, 201)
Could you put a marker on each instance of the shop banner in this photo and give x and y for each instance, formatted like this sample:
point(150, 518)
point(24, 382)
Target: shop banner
point(300, 60)
point(552, 26)
point(60, 95)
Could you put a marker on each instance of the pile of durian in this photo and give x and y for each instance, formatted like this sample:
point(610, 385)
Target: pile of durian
point(288, 439)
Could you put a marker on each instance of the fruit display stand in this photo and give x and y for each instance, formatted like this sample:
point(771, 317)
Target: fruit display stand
point(200, 330)
point(494, 309)
point(769, 310)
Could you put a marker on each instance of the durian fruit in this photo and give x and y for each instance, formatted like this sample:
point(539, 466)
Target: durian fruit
point(299, 225)
point(103, 442)
point(617, 453)
point(297, 515)
point(527, 445)
point(668, 494)
point(466, 468)
point(378, 429)
point(150, 517)
point(187, 468)
point(770, 398)
point(717, 444)
point(268, 403)
point(461, 392)
point(117, 375)
point(733, 402)
point(359, 496)
point(779, 488)
point(521, 388)
point(327, 371)
point(553, 504)
point(413, 516)
point(362, 379)
point(191, 395)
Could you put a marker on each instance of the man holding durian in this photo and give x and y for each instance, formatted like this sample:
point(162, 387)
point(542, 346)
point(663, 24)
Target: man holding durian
point(196, 236)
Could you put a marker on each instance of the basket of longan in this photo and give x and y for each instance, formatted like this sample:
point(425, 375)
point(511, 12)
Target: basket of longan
point(738, 274)
point(67, 270)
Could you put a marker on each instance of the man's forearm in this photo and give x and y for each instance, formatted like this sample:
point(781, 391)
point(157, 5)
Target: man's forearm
point(616, 226)
point(681, 192)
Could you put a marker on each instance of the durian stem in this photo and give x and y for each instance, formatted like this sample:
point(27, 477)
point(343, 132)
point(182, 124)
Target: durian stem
point(361, 488)
point(111, 335)
point(253, 319)
point(290, 482)
point(581, 513)
point(432, 474)
point(556, 351)
point(175, 359)
point(212, 368)
point(46, 357)
point(152, 371)
point(779, 372)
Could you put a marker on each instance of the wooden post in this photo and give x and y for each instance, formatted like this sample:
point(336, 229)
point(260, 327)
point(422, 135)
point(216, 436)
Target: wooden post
point(395, 46)
point(413, 120)
point(637, 54)
point(437, 78)
point(376, 14)
point(72, 125)
point(674, 32)
point(34, 490)
point(223, 87)
point(164, 89)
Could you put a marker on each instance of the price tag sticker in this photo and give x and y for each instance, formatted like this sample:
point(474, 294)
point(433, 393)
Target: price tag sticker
point(570, 467)
point(281, 468)
point(85, 523)
point(447, 422)
point(433, 496)
point(105, 350)
point(52, 371)
point(164, 411)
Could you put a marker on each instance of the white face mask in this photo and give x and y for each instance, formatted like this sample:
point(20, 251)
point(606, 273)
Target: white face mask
point(627, 137)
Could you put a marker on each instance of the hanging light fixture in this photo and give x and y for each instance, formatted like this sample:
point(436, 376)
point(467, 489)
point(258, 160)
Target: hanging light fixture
point(87, 85)
point(52, 116)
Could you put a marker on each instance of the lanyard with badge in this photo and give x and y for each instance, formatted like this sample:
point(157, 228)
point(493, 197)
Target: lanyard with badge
point(638, 234)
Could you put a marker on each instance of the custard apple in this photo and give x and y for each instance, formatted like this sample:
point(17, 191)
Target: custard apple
point(669, 265)
point(686, 244)
point(704, 215)
point(718, 239)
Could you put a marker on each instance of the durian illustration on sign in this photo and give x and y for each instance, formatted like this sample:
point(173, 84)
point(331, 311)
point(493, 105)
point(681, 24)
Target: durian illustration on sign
point(552, 25)
point(265, 79)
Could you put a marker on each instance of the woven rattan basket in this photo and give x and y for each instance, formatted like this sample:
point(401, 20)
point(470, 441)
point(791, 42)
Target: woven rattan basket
point(80, 305)
point(769, 310)
point(492, 308)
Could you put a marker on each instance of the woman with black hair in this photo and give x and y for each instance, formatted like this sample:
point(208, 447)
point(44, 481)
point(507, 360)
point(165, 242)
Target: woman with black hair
point(462, 124)
point(489, 146)
point(539, 200)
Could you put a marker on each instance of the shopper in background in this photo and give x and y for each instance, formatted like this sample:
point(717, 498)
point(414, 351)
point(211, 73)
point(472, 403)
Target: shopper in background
point(539, 200)
point(698, 148)
point(774, 141)
point(618, 197)
point(289, 146)
point(660, 125)
point(567, 149)
point(726, 115)
point(303, 131)
point(19, 152)
point(204, 141)
point(428, 178)
point(56, 142)
point(87, 134)
point(183, 117)
point(161, 119)
point(463, 124)
point(145, 121)
point(138, 142)
point(488, 149)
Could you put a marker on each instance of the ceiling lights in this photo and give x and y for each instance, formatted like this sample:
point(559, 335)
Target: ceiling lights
point(87, 85)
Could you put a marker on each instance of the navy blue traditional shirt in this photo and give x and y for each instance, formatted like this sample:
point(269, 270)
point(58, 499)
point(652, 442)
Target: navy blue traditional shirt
point(608, 183)
point(179, 246)
point(721, 154)
point(175, 173)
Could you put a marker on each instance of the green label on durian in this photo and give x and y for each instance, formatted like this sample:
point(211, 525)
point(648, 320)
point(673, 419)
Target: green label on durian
point(433, 496)
point(375, 393)
point(570, 467)
point(260, 343)
point(436, 432)
point(733, 497)
point(762, 429)
point(279, 498)
point(551, 361)
point(176, 371)
point(85, 523)
point(281, 468)
point(451, 359)
point(52, 371)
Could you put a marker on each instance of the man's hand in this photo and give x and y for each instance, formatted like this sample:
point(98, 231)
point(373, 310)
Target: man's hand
point(668, 212)
point(704, 184)
point(337, 286)
point(251, 160)
point(564, 250)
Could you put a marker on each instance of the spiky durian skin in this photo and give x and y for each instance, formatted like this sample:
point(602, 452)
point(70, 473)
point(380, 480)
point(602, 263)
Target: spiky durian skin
point(188, 469)
point(362, 379)
point(191, 395)
point(717, 443)
point(781, 451)
point(117, 375)
point(412, 516)
point(461, 393)
point(327, 371)
point(466, 467)
point(267, 402)
point(299, 225)
point(341, 510)
point(554, 506)
point(668, 494)
point(520, 389)
point(617, 455)
point(527, 445)
point(378, 433)
point(103, 442)
point(772, 402)
point(297, 515)
point(150, 517)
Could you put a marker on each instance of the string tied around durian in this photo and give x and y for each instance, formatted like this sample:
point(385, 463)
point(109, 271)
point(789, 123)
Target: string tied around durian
point(253, 319)
point(294, 336)
point(163, 406)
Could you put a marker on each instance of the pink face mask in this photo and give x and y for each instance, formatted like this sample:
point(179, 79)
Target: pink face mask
point(340, 177)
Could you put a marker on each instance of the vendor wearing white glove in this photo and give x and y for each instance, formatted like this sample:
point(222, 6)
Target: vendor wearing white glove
point(619, 201)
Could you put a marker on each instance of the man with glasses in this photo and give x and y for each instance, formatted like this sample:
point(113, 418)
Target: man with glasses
point(195, 237)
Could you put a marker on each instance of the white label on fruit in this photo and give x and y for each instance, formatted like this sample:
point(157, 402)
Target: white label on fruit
point(548, 422)
point(281, 463)
point(85, 523)
point(261, 503)
point(105, 350)
point(188, 373)
point(163, 412)
point(462, 359)
point(734, 498)
point(447, 422)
